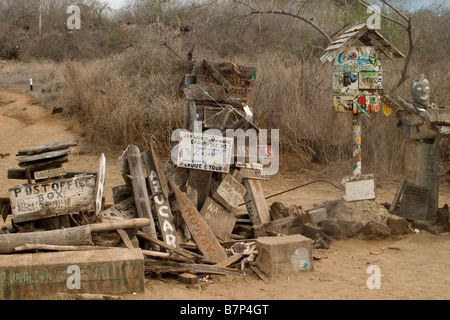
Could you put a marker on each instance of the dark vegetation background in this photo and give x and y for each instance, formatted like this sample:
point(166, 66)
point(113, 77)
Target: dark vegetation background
point(119, 79)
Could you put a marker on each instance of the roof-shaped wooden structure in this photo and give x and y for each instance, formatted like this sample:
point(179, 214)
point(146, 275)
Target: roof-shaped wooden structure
point(369, 37)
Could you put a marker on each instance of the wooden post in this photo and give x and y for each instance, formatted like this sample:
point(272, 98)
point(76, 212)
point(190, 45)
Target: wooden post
point(357, 144)
point(165, 218)
point(140, 189)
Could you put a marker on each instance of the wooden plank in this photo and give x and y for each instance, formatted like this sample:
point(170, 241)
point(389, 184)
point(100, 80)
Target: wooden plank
point(54, 247)
point(125, 238)
point(202, 234)
point(230, 193)
point(43, 156)
point(44, 164)
point(158, 266)
point(52, 198)
point(159, 169)
point(70, 236)
point(164, 214)
point(140, 192)
point(20, 174)
point(53, 146)
point(99, 183)
point(255, 202)
point(397, 196)
point(219, 220)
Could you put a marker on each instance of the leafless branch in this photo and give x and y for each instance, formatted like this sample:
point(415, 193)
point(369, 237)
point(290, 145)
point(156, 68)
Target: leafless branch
point(311, 22)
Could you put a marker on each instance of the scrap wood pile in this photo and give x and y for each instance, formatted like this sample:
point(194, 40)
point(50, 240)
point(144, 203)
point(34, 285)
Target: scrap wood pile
point(187, 217)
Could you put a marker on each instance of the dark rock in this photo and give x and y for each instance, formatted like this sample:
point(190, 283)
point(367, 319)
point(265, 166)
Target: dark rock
point(442, 217)
point(427, 225)
point(351, 228)
point(398, 225)
point(374, 229)
point(332, 228)
point(278, 211)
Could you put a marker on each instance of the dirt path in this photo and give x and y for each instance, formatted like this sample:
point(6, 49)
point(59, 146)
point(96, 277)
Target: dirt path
point(415, 267)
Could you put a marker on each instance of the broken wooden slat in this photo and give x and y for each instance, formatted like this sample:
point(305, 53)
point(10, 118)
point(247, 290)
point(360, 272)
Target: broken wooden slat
point(219, 220)
point(140, 192)
point(255, 202)
point(202, 234)
point(53, 146)
point(125, 238)
point(165, 218)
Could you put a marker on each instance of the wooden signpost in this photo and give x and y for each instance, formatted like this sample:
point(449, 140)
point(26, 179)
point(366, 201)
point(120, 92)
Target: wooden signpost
point(52, 198)
point(202, 234)
point(165, 217)
point(99, 184)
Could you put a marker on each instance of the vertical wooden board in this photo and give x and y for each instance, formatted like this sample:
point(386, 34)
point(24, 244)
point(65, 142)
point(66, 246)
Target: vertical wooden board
point(140, 189)
point(202, 234)
point(100, 181)
point(255, 202)
point(159, 169)
point(165, 219)
point(201, 181)
point(219, 220)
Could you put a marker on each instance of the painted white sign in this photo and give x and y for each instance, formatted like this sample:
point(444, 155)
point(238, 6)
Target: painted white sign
point(52, 198)
point(205, 152)
point(51, 173)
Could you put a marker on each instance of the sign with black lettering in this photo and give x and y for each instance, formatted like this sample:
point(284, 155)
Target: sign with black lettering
point(414, 203)
point(52, 198)
point(204, 152)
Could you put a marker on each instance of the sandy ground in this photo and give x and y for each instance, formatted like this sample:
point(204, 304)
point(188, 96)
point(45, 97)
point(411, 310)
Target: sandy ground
point(412, 267)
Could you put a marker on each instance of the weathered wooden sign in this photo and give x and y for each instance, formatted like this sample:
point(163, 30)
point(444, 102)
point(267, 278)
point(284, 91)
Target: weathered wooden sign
point(162, 206)
point(230, 193)
point(219, 220)
point(53, 146)
point(124, 210)
point(52, 198)
point(255, 202)
point(202, 234)
point(415, 202)
point(50, 173)
point(204, 152)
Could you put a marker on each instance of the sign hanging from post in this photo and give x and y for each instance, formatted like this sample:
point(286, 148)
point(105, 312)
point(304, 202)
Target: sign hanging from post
point(205, 152)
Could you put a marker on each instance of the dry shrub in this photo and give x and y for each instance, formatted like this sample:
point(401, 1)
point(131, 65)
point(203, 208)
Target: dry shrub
point(130, 98)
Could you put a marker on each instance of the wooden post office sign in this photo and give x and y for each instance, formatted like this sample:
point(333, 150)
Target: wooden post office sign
point(52, 198)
